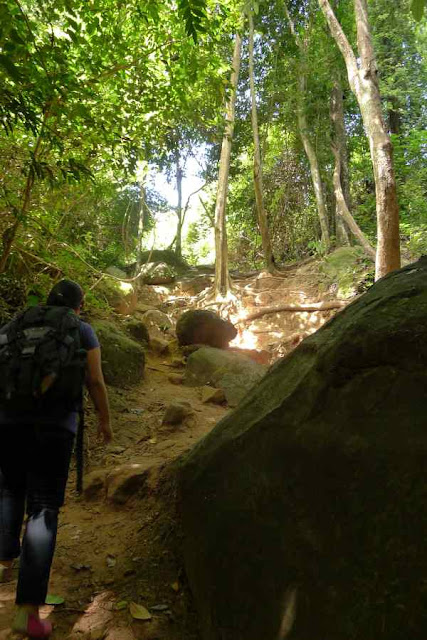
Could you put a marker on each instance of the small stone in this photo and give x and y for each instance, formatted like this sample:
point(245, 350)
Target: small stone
point(210, 394)
point(125, 481)
point(176, 378)
point(95, 484)
point(159, 345)
point(176, 412)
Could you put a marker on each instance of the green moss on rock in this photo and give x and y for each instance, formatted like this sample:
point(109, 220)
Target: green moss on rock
point(345, 267)
point(123, 359)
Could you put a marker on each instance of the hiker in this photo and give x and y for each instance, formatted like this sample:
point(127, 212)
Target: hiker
point(36, 441)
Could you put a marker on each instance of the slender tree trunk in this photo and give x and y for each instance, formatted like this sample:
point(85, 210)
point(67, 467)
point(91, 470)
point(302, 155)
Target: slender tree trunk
point(343, 209)
point(339, 137)
point(304, 133)
point(258, 184)
point(10, 234)
point(221, 248)
point(313, 162)
point(364, 84)
point(179, 176)
point(141, 219)
point(340, 177)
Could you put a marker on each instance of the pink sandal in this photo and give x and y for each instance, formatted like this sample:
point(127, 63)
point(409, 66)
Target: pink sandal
point(35, 628)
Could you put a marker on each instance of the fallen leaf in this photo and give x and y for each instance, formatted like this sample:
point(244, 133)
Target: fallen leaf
point(111, 561)
point(52, 599)
point(139, 612)
point(123, 604)
point(160, 607)
point(175, 586)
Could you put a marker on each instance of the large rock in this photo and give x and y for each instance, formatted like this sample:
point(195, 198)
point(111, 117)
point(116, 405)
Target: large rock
point(158, 323)
point(123, 359)
point(121, 295)
point(316, 486)
point(235, 374)
point(138, 331)
point(204, 327)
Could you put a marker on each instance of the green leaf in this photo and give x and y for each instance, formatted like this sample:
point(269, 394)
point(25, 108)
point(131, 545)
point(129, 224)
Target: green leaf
point(33, 301)
point(139, 612)
point(417, 8)
point(53, 600)
point(9, 66)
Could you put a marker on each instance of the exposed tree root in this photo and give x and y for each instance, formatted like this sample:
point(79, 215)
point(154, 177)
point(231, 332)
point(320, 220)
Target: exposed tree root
point(303, 308)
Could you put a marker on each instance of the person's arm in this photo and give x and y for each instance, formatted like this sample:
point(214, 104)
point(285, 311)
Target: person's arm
point(98, 393)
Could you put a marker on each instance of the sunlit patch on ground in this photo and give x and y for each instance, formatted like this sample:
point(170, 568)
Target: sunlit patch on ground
point(245, 339)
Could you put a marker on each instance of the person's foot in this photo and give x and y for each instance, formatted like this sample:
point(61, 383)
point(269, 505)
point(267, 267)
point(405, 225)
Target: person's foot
point(5, 573)
point(32, 626)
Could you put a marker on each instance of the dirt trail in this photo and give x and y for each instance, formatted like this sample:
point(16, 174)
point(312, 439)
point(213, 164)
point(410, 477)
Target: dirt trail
point(110, 556)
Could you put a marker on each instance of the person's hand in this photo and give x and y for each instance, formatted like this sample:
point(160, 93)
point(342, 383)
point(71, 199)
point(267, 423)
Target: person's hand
point(105, 431)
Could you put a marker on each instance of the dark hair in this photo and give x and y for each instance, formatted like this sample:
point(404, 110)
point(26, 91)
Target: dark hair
point(66, 293)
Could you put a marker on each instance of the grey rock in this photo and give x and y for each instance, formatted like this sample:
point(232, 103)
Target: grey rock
point(235, 374)
point(176, 412)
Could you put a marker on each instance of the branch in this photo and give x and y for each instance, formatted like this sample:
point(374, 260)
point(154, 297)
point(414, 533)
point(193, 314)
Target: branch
point(340, 38)
point(187, 204)
point(303, 308)
point(292, 25)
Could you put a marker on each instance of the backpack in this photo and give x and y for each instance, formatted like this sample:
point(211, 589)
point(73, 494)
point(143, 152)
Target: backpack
point(42, 362)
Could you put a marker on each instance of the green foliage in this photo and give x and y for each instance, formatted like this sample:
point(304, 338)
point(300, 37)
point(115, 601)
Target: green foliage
point(417, 8)
point(347, 271)
point(194, 13)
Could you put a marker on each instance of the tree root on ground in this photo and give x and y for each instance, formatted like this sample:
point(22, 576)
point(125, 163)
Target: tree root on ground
point(303, 308)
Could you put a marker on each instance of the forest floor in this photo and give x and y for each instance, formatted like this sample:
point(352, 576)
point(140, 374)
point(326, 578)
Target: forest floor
point(109, 556)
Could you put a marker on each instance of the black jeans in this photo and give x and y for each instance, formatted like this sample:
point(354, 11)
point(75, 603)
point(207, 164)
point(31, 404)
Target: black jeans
point(34, 463)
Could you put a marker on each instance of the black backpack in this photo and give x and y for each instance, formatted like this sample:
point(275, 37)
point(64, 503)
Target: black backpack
point(42, 362)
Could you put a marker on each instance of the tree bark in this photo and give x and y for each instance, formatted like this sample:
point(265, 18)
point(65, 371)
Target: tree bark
point(258, 183)
point(340, 176)
point(141, 218)
point(179, 176)
point(343, 209)
point(221, 248)
point(313, 162)
point(364, 84)
point(339, 139)
point(304, 133)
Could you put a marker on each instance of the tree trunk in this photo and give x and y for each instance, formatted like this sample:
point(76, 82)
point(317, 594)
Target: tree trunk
point(364, 84)
point(304, 133)
point(339, 137)
point(179, 176)
point(141, 218)
point(343, 209)
point(313, 162)
point(258, 184)
point(340, 177)
point(221, 249)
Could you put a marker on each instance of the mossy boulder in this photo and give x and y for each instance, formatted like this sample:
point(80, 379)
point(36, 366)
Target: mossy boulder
point(138, 331)
point(314, 489)
point(123, 359)
point(224, 369)
point(345, 268)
